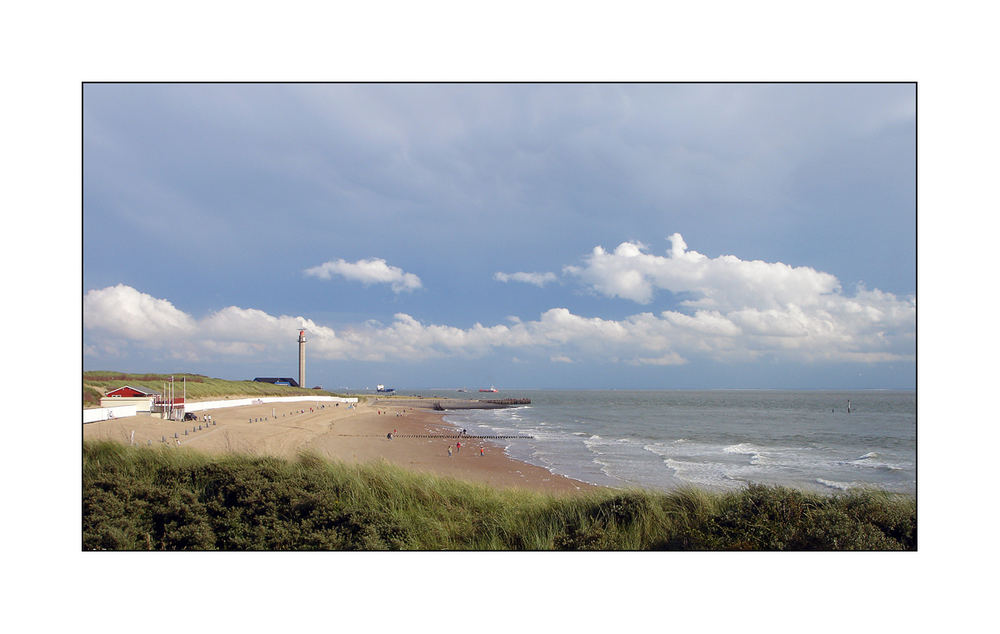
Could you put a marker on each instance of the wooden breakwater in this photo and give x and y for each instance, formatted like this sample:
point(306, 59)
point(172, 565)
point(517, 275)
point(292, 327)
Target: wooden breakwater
point(498, 403)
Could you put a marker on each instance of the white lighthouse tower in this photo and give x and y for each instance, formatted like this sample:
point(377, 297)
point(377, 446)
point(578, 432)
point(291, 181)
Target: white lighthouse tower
point(302, 357)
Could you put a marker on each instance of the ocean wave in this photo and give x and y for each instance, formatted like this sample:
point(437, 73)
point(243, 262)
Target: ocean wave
point(743, 448)
point(757, 456)
point(869, 461)
point(601, 446)
point(605, 468)
point(833, 484)
point(701, 473)
point(689, 450)
point(594, 446)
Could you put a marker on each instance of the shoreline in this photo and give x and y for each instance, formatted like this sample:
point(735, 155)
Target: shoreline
point(352, 435)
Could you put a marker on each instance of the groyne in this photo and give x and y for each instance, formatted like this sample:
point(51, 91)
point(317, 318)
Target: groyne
point(442, 404)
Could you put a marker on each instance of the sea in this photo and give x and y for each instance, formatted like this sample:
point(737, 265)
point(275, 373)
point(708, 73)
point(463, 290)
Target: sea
point(716, 439)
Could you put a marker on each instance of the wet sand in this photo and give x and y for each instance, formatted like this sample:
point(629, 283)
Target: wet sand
point(352, 435)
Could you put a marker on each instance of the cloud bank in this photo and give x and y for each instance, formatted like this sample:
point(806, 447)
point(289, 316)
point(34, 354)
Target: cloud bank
point(737, 311)
point(371, 271)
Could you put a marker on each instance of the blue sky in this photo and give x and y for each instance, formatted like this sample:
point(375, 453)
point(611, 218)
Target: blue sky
point(523, 235)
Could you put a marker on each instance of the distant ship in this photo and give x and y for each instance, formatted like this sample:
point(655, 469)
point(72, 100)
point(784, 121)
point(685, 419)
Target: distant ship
point(490, 389)
point(382, 388)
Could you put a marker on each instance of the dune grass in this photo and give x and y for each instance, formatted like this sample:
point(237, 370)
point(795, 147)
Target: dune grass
point(198, 387)
point(176, 499)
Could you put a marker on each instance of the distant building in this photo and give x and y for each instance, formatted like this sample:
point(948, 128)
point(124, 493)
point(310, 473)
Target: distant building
point(277, 380)
point(127, 391)
point(141, 397)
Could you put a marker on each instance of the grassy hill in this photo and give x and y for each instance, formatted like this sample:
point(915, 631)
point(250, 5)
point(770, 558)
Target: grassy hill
point(199, 387)
point(176, 499)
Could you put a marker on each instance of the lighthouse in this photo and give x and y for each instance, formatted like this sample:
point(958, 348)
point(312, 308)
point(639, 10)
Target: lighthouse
point(302, 357)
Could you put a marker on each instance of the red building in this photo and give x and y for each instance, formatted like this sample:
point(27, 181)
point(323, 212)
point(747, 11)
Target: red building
point(127, 391)
point(141, 397)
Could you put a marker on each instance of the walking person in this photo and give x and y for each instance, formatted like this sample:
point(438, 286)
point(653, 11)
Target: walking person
point(458, 447)
point(449, 451)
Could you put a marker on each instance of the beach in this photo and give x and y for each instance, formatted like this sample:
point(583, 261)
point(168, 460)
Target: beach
point(354, 435)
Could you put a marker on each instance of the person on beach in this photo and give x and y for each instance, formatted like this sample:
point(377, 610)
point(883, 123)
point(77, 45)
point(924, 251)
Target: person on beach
point(449, 451)
point(458, 447)
point(482, 452)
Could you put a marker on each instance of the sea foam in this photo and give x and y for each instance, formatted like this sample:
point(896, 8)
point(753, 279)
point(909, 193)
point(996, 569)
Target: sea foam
point(833, 484)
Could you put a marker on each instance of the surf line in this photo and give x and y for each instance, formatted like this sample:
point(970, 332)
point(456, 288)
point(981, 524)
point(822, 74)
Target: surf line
point(459, 436)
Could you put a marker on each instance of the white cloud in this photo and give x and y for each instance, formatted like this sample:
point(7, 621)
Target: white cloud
point(723, 283)
point(371, 271)
point(747, 309)
point(671, 358)
point(117, 316)
point(133, 315)
point(538, 279)
point(872, 326)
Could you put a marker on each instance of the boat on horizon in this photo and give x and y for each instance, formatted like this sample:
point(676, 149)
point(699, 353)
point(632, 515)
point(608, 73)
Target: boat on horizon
point(490, 389)
point(382, 388)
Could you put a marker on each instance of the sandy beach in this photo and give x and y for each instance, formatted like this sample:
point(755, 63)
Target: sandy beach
point(353, 435)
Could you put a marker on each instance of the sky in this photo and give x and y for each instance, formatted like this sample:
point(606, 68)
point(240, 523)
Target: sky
point(627, 236)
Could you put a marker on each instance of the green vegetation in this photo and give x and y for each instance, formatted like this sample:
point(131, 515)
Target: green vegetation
point(91, 397)
point(198, 387)
point(175, 499)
